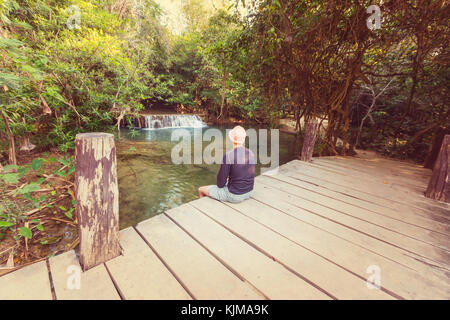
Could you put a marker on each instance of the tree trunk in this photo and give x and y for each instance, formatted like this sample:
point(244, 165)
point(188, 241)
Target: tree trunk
point(224, 88)
point(12, 146)
point(435, 147)
point(139, 122)
point(309, 139)
point(298, 116)
point(97, 197)
point(439, 185)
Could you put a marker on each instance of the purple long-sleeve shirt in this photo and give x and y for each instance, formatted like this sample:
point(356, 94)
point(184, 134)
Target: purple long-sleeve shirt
point(238, 170)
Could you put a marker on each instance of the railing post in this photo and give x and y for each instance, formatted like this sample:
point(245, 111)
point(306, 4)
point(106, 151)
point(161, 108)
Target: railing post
point(97, 196)
point(309, 139)
point(439, 185)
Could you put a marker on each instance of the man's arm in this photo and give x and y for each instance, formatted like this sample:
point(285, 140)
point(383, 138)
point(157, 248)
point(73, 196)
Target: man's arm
point(224, 171)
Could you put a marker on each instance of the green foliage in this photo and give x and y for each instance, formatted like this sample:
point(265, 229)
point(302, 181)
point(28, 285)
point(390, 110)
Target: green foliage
point(37, 163)
point(18, 195)
point(25, 232)
point(56, 82)
point(281, 58)
point(207, 63)
point(319, 58)
point(5, 224)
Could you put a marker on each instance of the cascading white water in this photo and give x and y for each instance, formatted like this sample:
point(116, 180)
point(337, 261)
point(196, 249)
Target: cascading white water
point(156, 121)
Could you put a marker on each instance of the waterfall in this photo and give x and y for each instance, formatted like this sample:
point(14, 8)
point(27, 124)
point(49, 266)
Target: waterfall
point(158, 121)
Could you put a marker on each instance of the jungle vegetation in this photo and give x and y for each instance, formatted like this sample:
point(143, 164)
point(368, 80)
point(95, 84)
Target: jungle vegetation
point(384, 88)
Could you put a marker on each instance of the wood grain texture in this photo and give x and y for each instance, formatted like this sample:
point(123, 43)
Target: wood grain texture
point(309, 140)
point(265, 274)
point(354, 257)
point(374, 191)
point(29, 283)
point(319, 271)
point(97, 197)
point(172, 243)
point(413, 246)
point(140, 274)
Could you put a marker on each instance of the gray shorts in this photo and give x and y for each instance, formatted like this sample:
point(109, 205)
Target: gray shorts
point(223, 194)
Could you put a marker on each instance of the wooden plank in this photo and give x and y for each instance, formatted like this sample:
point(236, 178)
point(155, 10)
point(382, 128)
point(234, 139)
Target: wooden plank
point(94, 284)
point(403, 178)
point(267, 275)
point(394, 180)
point(356, 237)
point(387, 180)
point(139, 273)
point(377, 180)
point(406, 171)
point(316, 179)
point(421, 249)
point(401, 215)
point(332, 278)
point(191, 262)
point(381, 194)
point(416, 232)
point(395, 277)
point(386, 193)
point(379, 185)
point(29, 283)
point(385, 166)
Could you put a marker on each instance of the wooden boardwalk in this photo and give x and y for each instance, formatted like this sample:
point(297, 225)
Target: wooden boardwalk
point(311, 231)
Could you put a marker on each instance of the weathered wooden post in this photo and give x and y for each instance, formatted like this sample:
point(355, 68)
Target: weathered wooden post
point(97, 196)
point(439, 185)
point(309, 139)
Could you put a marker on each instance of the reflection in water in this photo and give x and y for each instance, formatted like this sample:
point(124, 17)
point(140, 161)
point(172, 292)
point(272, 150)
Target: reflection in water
point(149, 183)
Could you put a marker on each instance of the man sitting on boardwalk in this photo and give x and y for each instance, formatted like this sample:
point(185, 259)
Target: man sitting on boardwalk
point(237, 173)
